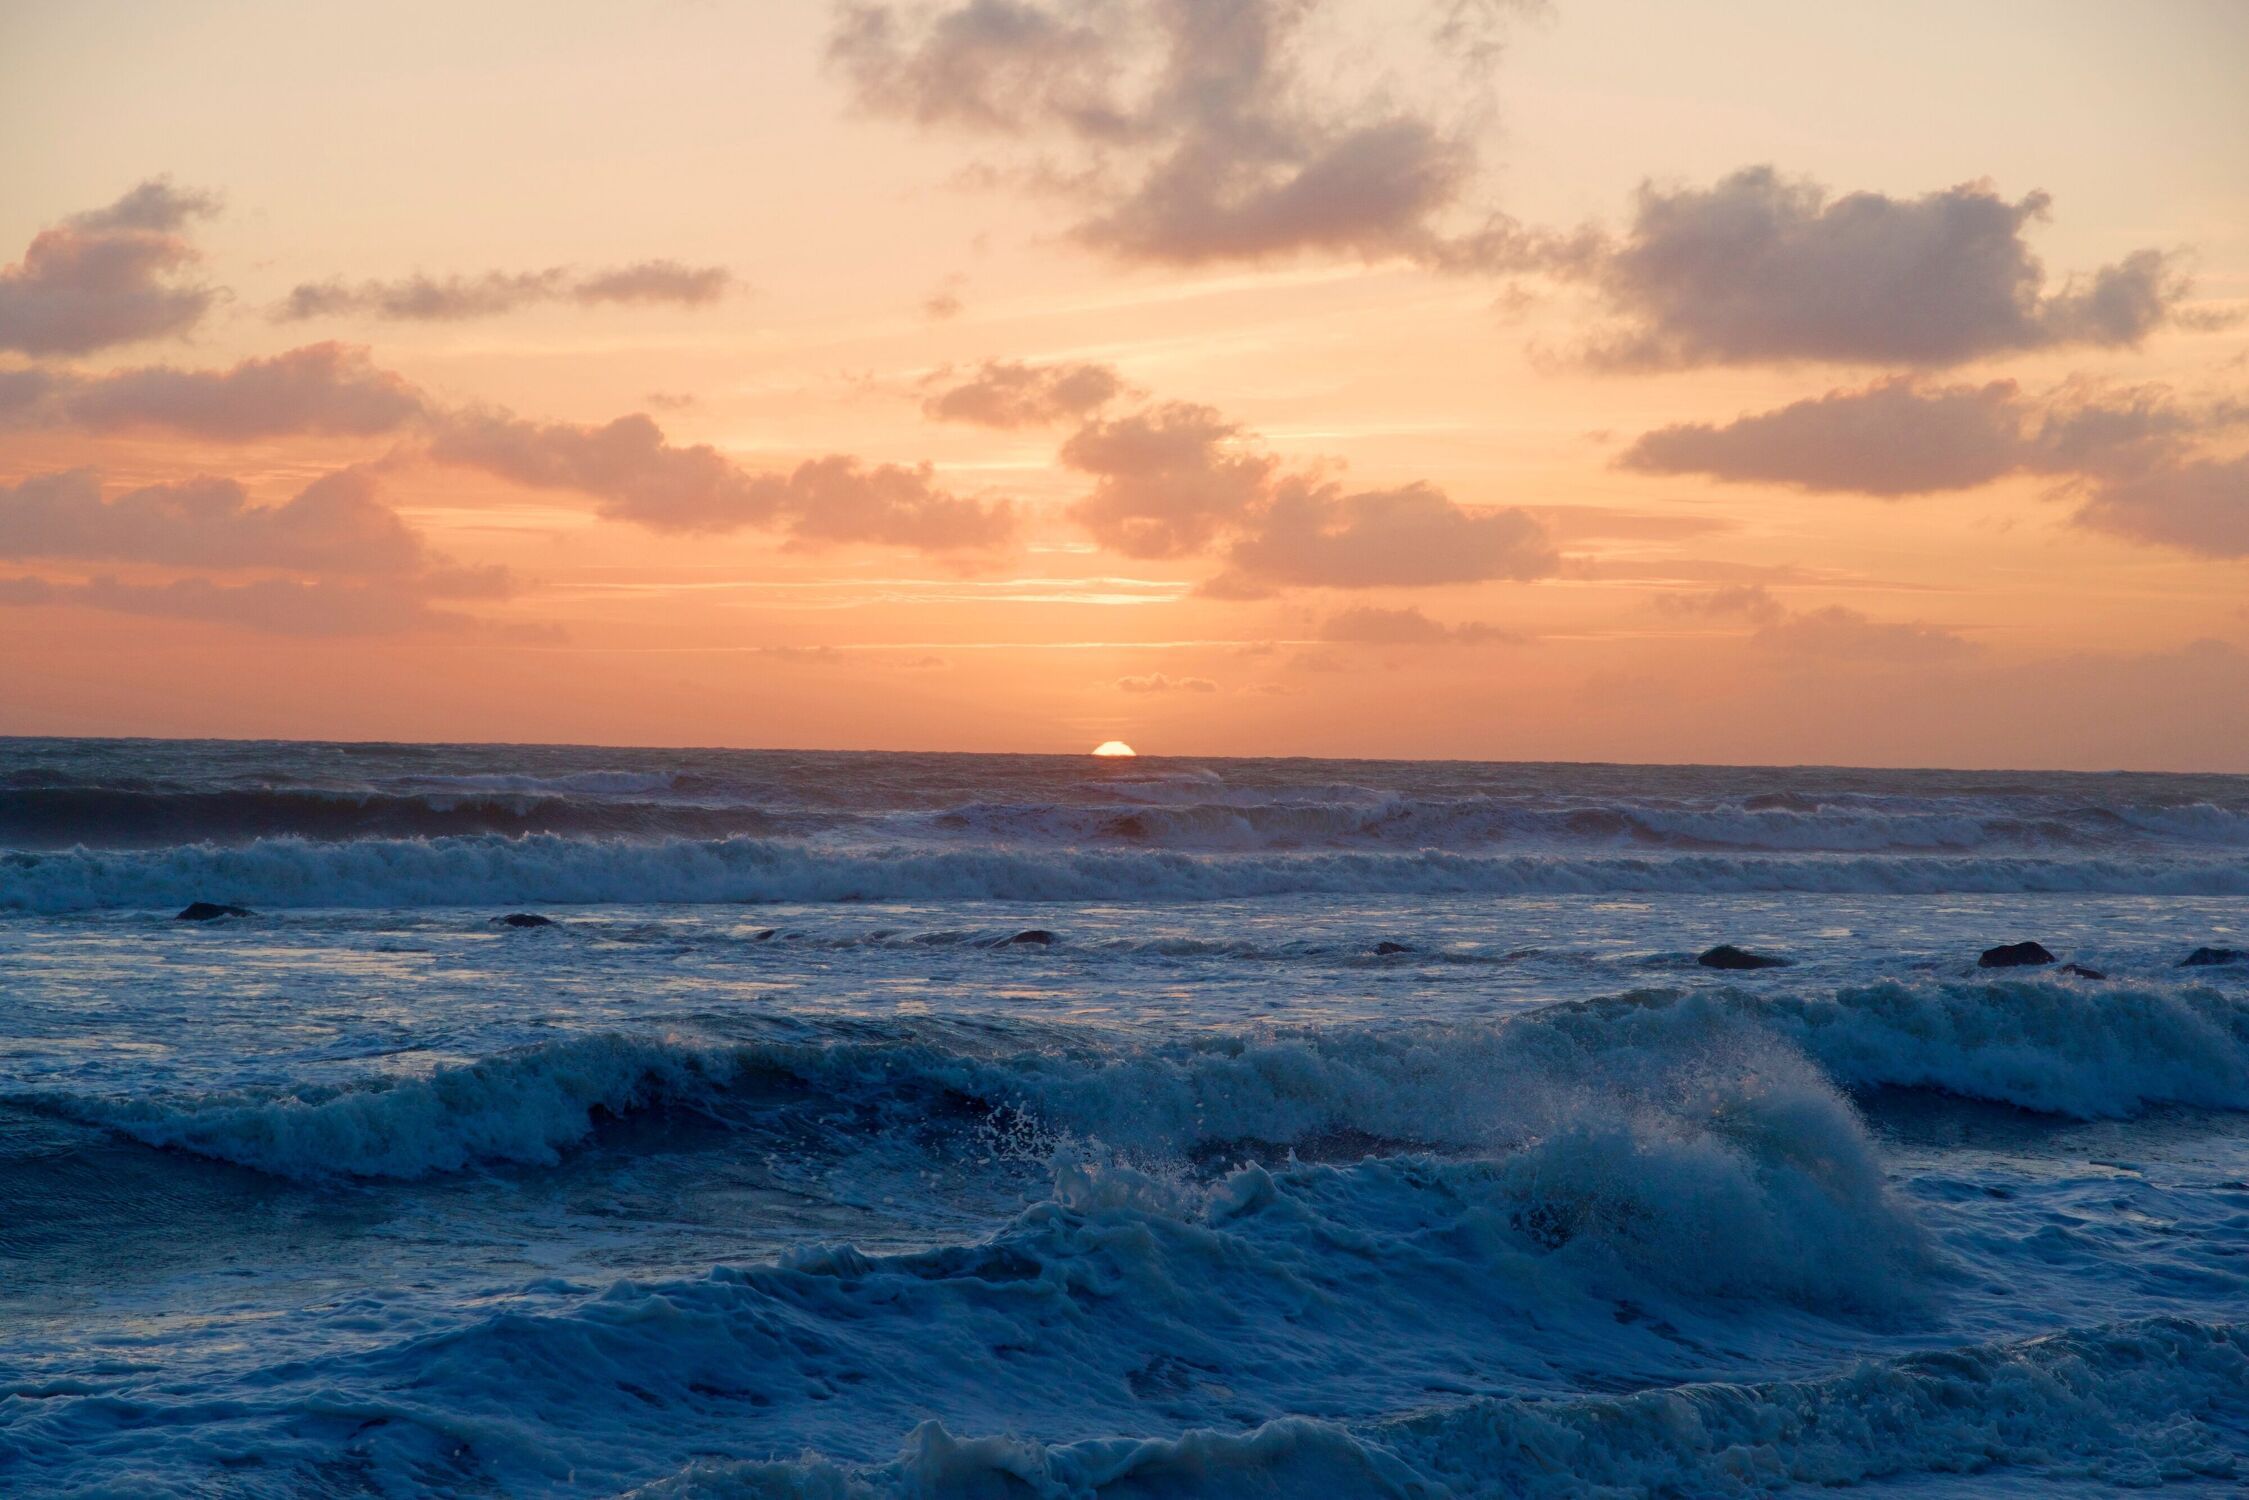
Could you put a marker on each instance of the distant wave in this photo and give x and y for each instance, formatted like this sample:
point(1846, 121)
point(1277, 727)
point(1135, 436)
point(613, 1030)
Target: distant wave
point(467, 870)
point(1197, 814)
point(1858, 825)
point(126, 817)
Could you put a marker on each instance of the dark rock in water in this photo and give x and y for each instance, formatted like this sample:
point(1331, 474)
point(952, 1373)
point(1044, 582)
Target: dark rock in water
point(211, 911)
point(2081, 971)
point(1385, 948)
point(765, 936)
point(1030, 937)
point(1727, 956)
point(2210, 958)
point(2014, 956)
point(523, 919)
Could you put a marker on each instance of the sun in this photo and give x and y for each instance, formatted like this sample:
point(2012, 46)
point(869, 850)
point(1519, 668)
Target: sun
point(1113, 747)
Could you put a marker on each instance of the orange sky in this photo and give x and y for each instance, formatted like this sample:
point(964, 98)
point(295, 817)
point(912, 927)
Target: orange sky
point(1858, 383)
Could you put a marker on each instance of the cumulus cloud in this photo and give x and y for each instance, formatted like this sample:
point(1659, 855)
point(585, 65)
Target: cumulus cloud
point(1185, 133)
point(627, 466)
point(1374, 626)
point(1839, 634)
point(1010, 393)
point(1895, 437)
point(1764, 267)
point(1157, 682)
point(1179, 479)
point(2139, 456)
point(454, 299)
point(2200, 505)
point(113, 275)
point(346, 563)
point(1167, 480)
point(335, 524)
point(1410, 537)
point(633, 473)
point(321, 388)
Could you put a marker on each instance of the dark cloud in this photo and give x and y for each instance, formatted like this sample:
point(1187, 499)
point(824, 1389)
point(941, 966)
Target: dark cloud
point(1734, 601)
point(2200, 505)
point(1410, 537)
point(1167, 480)
point(1764, 267)
point(2137, 455)
point(1374, 626)
point(155, 207)
point(1179, 479)
point(23, 393)
point(321, 388)
point(347, 564)
point(1157, 682)
point(633, 473)
point(453, 299)
point(1011, 393)
point(627, 466)
point(660, 281)
point(335, 524)
point(1839, 634)
point(114, 275)
point(1186, 132)
point(1893, 438)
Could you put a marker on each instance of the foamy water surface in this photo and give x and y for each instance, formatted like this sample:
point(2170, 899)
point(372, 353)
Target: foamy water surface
point(922, 1125)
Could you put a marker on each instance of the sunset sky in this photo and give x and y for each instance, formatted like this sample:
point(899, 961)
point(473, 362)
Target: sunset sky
point(1861, 383)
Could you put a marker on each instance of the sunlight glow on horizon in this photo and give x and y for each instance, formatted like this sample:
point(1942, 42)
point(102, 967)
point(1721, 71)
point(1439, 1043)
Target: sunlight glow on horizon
point(1114, 747)
point(590, 448)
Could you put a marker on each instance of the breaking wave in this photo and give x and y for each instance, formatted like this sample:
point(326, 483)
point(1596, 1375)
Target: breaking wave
point(1666, 1061)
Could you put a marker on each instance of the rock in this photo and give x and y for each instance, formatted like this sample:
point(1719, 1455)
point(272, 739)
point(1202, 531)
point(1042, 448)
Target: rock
point(1727, 956)
point(2014, 956)
point(764, 936)
point(1385, 948)
point(211, 911)
point(2081, 971)
point(523, 919)
point(1030, 937)
point(2210, 958)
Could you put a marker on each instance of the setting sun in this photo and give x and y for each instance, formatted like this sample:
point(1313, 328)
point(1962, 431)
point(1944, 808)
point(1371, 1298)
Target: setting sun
point(1114, 747)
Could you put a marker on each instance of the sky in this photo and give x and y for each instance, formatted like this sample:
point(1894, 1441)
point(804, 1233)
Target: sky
point(1597, 380)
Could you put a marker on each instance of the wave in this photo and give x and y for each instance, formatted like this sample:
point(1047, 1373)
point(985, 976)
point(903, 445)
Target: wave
point(1039, 808)
point(2085, 1051)
point(472, 870)
point(1125, 1300)
point(1154, 1331)
point(1264, 822)
point(125, 817)
point(2128, 1405)
point(1484, 1090)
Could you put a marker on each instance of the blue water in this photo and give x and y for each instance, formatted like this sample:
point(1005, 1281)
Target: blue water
point(935, 1125)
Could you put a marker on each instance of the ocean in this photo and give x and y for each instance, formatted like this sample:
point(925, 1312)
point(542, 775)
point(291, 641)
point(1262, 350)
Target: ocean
point(933, 1125)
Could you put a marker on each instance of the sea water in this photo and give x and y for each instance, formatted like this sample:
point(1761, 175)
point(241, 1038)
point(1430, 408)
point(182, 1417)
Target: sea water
point(984, 1125)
